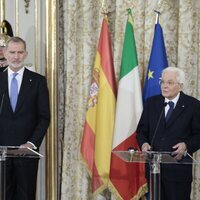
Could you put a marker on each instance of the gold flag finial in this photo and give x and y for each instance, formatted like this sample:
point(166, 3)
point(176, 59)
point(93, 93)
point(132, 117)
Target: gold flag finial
point(104, 8)
point(27, 2)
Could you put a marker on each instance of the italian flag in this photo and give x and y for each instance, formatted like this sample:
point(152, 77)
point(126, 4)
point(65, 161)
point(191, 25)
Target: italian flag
point(127, 179)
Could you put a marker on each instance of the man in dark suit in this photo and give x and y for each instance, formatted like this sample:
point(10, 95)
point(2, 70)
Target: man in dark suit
point(179, 134)
point(22, 124)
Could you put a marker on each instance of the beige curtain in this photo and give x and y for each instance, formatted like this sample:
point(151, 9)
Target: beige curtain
point(79, 27)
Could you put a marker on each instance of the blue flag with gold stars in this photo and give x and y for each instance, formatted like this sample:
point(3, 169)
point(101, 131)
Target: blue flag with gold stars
point(157, 62)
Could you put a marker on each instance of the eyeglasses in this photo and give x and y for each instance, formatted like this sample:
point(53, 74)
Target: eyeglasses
point(167, 83)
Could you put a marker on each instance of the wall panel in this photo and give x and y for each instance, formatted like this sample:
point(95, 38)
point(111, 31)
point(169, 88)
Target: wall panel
point(37, 27)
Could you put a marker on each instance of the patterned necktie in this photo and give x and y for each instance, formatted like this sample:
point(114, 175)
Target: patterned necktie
point(171, 108)
point(14, 91)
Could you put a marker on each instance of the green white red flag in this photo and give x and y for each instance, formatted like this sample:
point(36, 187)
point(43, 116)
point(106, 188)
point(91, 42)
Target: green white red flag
point(127, 179)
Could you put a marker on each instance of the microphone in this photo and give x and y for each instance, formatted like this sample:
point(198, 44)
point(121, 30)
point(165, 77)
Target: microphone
point(131, 149)
point(157, 125)
point(2, 101)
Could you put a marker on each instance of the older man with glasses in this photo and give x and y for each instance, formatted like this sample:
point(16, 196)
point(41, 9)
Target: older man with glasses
point(178, 132)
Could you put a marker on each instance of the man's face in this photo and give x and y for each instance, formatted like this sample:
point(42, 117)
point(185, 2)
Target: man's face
point(15, 55)
point(169, 85)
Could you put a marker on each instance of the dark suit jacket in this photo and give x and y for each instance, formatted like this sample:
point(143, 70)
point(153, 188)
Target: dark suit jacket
point(31, 118)
point(2, 69)
point(183, 126)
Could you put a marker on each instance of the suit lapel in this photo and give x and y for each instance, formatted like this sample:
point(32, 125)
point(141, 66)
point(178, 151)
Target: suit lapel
point(4, 82)
point(180, 107)
point(25, 88)
point(161, 111)
point(4, 90)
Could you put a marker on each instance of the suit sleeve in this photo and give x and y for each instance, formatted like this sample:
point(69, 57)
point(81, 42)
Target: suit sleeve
point(43, 113)
point(142, 128)
point(193, 141)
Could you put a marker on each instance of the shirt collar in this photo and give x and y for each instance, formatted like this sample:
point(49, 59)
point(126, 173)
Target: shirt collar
point(20, 72)
point(174, 100)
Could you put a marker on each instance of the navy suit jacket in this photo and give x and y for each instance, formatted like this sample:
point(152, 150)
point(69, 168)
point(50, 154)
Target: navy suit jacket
point(183, 126)
point(31, 118)
point(2, 69)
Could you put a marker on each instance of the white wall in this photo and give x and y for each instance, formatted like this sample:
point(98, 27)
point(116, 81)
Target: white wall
point(31, 27)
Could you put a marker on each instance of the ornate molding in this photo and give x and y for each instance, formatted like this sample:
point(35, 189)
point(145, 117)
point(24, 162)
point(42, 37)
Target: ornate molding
point(51, 74)
point(2, 10)
point(27, 5)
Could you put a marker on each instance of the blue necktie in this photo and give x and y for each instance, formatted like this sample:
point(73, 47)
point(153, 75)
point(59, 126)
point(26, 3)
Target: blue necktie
point(171, 108)
point(14, 91)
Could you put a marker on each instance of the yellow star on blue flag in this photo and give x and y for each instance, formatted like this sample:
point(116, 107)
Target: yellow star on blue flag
point(150, 74)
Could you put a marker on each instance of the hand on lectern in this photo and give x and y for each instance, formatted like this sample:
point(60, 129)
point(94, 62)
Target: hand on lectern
point(180, 150)
point(146, 147)
point(26, 145)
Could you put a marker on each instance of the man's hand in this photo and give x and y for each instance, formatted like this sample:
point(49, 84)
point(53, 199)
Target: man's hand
point(180, 150)
point(26, 145)
point(146, 147)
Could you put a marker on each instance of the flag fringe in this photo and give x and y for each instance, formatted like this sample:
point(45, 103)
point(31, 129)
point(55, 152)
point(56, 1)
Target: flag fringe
point(84, 162)
point(141, 192)
point(102, 187)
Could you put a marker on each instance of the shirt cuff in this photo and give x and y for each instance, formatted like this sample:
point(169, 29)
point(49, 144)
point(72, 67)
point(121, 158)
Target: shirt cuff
point(34, 147)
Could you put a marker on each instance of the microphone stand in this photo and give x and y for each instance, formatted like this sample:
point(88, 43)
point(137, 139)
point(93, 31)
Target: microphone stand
point(157, 125)
point(1, 105)
point(154, 164)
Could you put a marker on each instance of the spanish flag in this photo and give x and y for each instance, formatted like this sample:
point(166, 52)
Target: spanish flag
point(96, 144)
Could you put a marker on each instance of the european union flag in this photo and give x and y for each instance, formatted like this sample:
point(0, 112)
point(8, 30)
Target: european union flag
point(157, 62)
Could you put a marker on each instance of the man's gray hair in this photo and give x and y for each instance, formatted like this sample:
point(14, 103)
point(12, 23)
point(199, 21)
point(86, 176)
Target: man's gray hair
point(17, 40)
point(180, 74)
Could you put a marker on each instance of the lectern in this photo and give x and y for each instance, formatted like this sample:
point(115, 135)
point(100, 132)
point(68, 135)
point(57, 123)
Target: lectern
point(154, 159)
point(8, 152)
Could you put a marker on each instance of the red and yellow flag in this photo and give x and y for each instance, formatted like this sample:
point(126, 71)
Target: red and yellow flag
point(97, 137)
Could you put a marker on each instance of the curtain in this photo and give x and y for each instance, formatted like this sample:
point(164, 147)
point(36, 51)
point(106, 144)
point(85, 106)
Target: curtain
point(79, 29)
